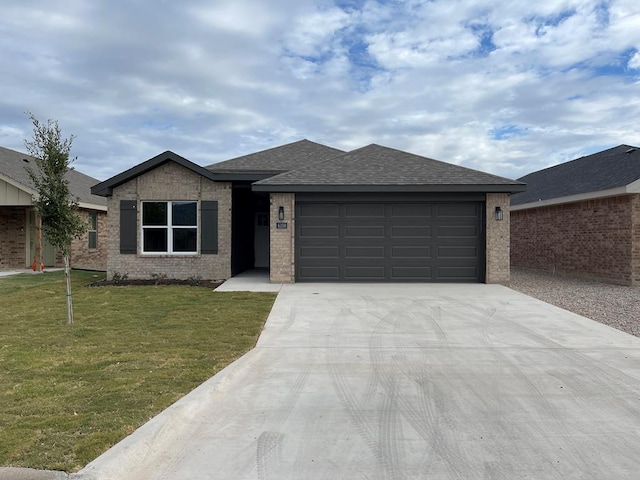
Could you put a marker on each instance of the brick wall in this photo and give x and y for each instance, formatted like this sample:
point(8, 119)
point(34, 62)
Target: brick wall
point(170, 181)
point(84, 257)
point(282, 241)
point(635, 239)
point(13, 237)
point(497, 239)
point(591, 238)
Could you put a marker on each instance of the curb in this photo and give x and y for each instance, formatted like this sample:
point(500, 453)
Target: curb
point(12, 473)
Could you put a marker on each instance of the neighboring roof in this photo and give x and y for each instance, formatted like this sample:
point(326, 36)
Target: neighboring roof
point(12, 170)
point(610, 172)
point(377, 168)
point(274, 160)
point(105, 188)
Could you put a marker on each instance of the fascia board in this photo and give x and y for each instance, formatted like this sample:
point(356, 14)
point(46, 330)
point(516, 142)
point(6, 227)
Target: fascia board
point(581, 197)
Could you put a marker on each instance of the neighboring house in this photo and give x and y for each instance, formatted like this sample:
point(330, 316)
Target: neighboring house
point(308, 212)
point(581, 217)
point(17, 218)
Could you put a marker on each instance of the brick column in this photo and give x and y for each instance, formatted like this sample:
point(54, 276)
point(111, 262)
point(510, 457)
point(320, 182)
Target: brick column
point(498, 240)
point(282, 240)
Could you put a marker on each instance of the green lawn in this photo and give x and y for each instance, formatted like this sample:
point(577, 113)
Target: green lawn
point(68, 392)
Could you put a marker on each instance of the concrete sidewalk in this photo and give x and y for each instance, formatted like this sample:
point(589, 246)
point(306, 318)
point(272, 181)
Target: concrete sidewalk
point(250, 281)
point(404, 381)
point(7, 273)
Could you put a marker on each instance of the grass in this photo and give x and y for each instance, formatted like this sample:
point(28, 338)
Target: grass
point(69, 392)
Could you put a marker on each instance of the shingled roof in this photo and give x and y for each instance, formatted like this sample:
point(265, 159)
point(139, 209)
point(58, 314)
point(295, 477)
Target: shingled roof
point(377, 168)
point(12, 170)
point(278, 159)
point(614, 169)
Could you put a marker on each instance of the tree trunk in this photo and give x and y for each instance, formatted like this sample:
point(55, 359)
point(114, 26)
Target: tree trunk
point(67, 277)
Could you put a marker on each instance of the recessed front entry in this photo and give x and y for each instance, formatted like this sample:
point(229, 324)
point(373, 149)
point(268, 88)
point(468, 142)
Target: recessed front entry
point(389, 241)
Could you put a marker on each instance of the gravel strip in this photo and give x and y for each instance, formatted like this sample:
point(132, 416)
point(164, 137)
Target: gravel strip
point(614, 305)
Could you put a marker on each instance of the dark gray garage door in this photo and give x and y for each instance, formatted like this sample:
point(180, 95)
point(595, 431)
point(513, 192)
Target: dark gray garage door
point(390, 241)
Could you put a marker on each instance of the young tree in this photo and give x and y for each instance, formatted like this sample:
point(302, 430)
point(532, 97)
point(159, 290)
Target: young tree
point(54, 205)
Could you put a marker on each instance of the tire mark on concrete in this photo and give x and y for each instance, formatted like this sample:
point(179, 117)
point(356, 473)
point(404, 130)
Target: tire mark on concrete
point(269, 454)
point(389, 429)
point(281, 416)
point(595, 371)
point(435, 321)
point(425, 419)
point(345, 394)
point(293, 313)
point(490, 315)
point(548, 409)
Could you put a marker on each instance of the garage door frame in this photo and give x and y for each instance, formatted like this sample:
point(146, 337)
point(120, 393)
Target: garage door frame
point(394, 198)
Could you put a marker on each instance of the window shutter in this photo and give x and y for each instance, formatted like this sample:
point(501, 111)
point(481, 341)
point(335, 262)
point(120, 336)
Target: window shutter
point(128, 227)
point(209, 227)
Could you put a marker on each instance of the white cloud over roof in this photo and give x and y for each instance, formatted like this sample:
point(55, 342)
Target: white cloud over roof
point(505, 87)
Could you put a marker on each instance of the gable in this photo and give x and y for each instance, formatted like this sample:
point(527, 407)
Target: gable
point(105, 188)
point(13, 196)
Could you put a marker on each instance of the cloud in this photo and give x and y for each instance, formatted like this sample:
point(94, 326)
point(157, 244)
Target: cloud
point(634, 61)
point(506, 87)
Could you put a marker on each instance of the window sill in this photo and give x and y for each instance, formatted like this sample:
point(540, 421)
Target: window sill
point(168, 255)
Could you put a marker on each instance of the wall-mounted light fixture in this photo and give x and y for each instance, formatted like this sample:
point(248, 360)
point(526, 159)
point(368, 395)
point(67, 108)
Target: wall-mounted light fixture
point(280, 213)
point(499, 214)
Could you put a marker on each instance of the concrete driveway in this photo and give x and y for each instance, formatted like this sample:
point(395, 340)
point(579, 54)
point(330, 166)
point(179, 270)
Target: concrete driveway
point(404, 382)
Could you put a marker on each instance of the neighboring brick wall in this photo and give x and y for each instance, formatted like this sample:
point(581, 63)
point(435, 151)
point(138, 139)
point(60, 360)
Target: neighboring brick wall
point(497, 240)
point(13, 237)
point(591, 238)
point(282, 241)
point(90, 259)
point(170, 181)
point(635, 235)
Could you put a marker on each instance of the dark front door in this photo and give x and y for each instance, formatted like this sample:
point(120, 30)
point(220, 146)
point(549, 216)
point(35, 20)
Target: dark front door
point(389, 241)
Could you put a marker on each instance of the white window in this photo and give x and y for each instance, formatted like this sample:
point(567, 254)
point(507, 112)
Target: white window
point(170, 227)
point(93, 230)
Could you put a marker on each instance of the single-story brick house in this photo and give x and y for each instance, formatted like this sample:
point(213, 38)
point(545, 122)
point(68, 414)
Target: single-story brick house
point(581, 217)
point(18, 220)
point(309, 212)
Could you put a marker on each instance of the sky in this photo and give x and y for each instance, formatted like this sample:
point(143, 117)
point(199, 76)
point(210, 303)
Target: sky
point(507, 87)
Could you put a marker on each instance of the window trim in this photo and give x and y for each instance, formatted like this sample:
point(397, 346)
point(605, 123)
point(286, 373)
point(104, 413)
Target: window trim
point(169, 227)
point(93, 222)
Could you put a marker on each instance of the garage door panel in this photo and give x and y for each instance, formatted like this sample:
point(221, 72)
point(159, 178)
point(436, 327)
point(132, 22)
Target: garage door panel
point(404, 231)
point(364, 231)
point(396, 241)
point(320, 273)
point(457, 210)
point(411, 210)
point(364, 251)
point(319, 210)
point(457, 273)
point(410, 273)
point(417, 251)
point(324, 231)
point(365, 273)
point(315, 251)
point(457, 231)
point(463, 251)
point(363, 210)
